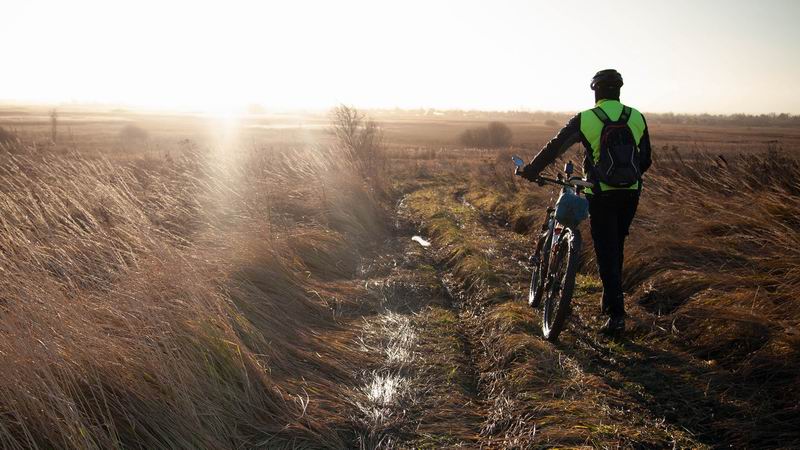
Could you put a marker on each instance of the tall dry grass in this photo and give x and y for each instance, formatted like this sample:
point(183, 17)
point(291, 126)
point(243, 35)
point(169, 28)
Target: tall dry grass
point(168, 304)
point(716, 257)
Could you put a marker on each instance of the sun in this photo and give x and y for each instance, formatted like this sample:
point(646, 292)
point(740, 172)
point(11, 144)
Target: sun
point(224, 124)
point(225, 112)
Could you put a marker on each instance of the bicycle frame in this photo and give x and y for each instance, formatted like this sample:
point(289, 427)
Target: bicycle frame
point(554, 228)
point(552, 241)
point(553, 274)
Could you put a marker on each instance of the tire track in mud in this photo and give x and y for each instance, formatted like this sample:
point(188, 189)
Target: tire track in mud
point(387, 389)
point(422, 391)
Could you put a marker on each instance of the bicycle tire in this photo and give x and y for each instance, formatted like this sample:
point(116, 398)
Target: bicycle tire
point(561, 286)
point(538, 275)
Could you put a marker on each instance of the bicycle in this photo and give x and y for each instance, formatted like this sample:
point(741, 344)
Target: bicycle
point(555, 261)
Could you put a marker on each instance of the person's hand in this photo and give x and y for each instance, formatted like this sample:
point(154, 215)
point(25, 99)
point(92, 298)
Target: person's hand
point(527, 173)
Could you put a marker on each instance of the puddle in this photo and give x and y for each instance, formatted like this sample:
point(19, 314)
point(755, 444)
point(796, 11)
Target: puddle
point(384, 393)
point(419, 240)
point(383, 411)
point(384, 389)
point(387, 389)
point(401, 338)
point(391, 334)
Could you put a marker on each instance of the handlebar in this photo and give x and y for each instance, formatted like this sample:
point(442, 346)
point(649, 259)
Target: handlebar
point(571, 182)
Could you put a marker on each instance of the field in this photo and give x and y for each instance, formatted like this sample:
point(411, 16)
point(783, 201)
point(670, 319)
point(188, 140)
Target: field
point(191, 281)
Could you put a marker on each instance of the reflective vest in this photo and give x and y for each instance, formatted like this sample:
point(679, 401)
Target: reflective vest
point(592, 128)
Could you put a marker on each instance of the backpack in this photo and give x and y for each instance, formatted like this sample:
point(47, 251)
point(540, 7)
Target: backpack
point(618, 165)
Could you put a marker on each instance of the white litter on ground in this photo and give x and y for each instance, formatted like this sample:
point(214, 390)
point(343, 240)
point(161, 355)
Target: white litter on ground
point(421, 241)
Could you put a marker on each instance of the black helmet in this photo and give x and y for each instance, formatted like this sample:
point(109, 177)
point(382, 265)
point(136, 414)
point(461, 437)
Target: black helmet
point(606, 78)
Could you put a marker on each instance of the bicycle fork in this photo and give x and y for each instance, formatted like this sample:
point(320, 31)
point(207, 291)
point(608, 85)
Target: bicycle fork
point(552, 254)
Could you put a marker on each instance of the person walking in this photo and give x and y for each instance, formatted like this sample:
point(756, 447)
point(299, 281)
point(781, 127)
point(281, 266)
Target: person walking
point(617, 153)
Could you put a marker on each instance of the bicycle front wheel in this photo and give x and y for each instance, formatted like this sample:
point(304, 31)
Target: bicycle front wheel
point(536, 288)
point(560, 283)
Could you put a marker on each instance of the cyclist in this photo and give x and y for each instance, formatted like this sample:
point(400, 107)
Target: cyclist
point(618, 152)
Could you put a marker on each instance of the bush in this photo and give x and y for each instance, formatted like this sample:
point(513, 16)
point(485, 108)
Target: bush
point(360, 137)
point(551, 123)
point(496, 134)
point(474, 137)
point(132, 133)
point(499, 134)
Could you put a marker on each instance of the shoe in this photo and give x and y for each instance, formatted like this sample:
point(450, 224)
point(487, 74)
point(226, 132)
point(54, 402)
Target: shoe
point(613, 325)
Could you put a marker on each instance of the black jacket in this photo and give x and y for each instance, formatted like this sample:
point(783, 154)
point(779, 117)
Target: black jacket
point(571, 134)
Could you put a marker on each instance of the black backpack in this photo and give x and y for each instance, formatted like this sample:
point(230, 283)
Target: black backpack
point(618, 165)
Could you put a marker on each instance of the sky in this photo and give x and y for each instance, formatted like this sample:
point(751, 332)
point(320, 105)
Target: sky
point(714, 56)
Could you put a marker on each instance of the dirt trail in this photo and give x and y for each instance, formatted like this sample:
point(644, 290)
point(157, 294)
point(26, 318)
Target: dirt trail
point(421, 390)
point(532, 393)
point(460, 362)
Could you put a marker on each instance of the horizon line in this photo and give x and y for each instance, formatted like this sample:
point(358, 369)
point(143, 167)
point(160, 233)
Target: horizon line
point(243, 110)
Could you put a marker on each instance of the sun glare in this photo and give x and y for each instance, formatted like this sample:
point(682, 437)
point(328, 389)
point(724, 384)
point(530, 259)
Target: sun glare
point(225, 114)
point(467, 54)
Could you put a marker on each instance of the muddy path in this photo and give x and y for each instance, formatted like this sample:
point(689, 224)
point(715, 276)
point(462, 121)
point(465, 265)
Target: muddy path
point(458, 359)
point(421, 389)
point(528, 392)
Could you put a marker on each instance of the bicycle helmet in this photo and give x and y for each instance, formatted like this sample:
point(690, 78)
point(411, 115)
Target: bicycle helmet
point(608, 78)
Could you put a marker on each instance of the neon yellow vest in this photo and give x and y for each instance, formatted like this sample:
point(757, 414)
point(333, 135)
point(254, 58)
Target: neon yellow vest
point(592, 127)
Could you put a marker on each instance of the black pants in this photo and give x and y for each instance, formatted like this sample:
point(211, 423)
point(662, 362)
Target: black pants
point(611, 214)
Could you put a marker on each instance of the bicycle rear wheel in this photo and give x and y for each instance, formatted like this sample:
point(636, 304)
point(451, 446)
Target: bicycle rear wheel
point(561, 283)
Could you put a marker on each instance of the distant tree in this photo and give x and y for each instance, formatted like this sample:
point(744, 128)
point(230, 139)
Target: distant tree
point(495, 134)
point(360, 136)
point(746, 120)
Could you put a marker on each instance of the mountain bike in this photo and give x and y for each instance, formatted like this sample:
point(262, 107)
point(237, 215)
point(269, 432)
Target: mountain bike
point(558, 248)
